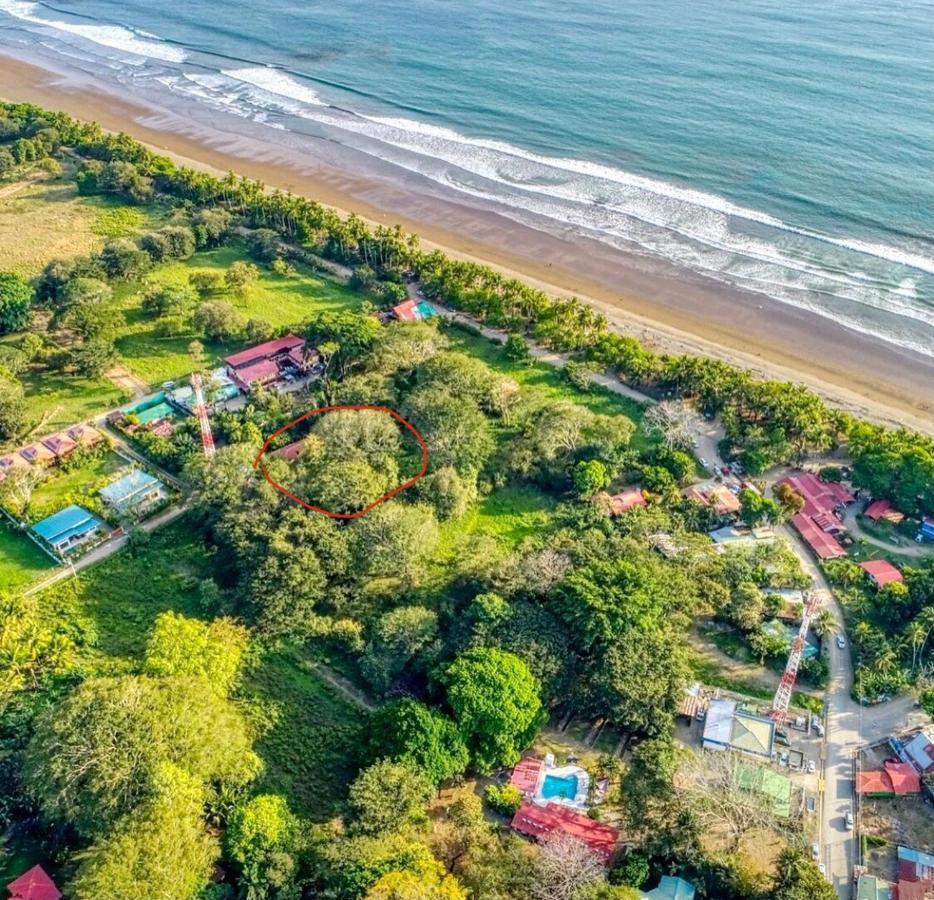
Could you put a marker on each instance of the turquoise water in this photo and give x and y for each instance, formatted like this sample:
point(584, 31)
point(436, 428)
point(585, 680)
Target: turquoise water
point(564, 788)
point(785, 148)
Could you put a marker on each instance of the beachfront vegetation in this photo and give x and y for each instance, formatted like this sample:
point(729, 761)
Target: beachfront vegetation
point(289, 690)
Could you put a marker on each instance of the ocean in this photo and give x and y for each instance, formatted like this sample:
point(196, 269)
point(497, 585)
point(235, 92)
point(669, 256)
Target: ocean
point(783, 148)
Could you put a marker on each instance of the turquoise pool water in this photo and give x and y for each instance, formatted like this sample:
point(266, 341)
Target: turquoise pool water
point(554, 786)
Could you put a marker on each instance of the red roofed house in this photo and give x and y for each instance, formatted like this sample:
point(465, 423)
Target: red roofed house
point(60, 445)
point(527, 774)
point(894, 779)
point(883, 509)
point(84, 435)
point(819, 519)
point(540, 822)
point(881, 572)
point(263, 364)
point(625, 501)
point(290, 452)
point(915, 874)
point(33, 884)
point(723, 500)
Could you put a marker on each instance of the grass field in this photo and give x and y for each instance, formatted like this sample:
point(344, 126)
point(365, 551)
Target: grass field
point(21, 561)
point(79, 225)
point(54, 492)
point(282, 301)
point(310, 750)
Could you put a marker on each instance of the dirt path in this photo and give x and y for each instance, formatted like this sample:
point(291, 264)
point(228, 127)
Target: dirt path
point(121, 376)
point(341, 685)
point(749, 672)
point(17, 186)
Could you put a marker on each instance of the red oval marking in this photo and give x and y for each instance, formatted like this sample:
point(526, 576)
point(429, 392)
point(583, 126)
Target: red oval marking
point(336, 408)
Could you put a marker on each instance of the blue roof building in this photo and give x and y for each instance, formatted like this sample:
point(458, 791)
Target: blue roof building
point(66, 530)
point(671, 888)
point(133, 494)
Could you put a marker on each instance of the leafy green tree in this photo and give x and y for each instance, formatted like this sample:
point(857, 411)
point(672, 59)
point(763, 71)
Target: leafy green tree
point(505, 798)
point(798, 878)
point(632, 870)
point(217, 320)
point(12, 405)
point(517, 350)
point(590, 476)
point(92, 358)
point(395, 540)
point(399, 636)
point(97, 754)
point(409, 732)
point(388, 795)
point(240, 276)
point(495, 700)
point(123, 260)
point(755, 507)
point(169, 300)
point(434, 884)
point(15, 299)
point(179, 646)
point(264, 838)
point(159, 851)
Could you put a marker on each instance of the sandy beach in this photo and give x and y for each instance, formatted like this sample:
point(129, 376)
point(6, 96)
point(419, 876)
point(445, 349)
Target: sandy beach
point(669, 309)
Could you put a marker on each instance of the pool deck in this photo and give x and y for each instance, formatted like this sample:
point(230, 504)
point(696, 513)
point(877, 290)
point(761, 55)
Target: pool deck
point(579, 801)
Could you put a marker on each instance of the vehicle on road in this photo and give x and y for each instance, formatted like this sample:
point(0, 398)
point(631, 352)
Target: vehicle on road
point(848, 820)
point(704, 462)
point(783, 758)
point(811, 804)
point(815, 850)
point(841, 641)
point(781, 739)
point(812, 767)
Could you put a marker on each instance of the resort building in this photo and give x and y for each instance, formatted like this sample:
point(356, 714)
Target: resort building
point(538, 822)
point(60, 444)
point(33, 884)
point(542, 782)
point(893, 779)
point(290, 452)
point(414, 311)
point(918, 750)
point(720, 498)
point(727, 727)
point(926, 531)
point(883, 509)
point(671, 888)
point(881, 572)
point(37, 454)
point(820, 520)
point(134, 494)
point(67, 530)
point(267, 363)
point(84, 435)
point(11, 461)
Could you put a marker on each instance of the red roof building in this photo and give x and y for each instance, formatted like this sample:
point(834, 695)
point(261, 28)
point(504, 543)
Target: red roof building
point(877, 509)
point(263, 364)
point(290, 452)
point(824, 545)
point(265, 351)
point(33, 884)
point(897, 779)
point(881, 572)
point(407, 311)
point(540, 822)
point(625, 501)
point(820, 497)
point(60, 444)
point(84, 435)
point(525, 776)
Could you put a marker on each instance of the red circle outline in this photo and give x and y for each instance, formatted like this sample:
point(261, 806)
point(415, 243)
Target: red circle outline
point(341, 406)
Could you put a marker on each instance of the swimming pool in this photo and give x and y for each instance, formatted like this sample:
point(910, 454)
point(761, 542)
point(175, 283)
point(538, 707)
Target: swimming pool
point(556, 786)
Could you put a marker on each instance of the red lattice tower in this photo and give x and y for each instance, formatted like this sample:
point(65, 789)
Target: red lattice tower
point(782, 699)
point(201, 411)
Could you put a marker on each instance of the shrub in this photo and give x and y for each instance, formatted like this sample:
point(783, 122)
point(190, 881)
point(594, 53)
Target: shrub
point(505, 799)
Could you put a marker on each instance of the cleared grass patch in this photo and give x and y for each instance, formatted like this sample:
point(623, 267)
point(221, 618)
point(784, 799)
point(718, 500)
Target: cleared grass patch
point(21, 561)
point(49, 219)
point(61, 487)
point(310, 750)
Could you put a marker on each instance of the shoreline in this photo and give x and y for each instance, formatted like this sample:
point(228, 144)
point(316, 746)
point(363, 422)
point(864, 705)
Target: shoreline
point(670, 310)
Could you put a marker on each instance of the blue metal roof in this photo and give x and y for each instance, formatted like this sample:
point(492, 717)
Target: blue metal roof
point(66, 523)
point(132, 483)
point(672, 888)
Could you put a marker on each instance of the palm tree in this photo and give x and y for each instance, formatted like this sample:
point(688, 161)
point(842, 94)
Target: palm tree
point(824, 623)
point(915, 635)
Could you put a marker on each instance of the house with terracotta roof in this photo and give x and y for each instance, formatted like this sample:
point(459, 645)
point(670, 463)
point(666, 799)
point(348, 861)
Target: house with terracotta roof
point(60, 444)
point(624, 501)
point(883, 509)
point(414, 311)
point(881, 572)
point(290, 452)
point(526, 775)
point(893, 779)
point(267, 363)
point(37, 454)
point(720, 498)
point(34, 884)
point(84, 435)
point(542, 822)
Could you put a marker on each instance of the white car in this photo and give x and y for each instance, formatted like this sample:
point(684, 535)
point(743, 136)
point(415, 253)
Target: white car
point(783, 758)
point(841, 641)
point(848, 820)
point(704, 462)
point(815, 850)
point(812, 767)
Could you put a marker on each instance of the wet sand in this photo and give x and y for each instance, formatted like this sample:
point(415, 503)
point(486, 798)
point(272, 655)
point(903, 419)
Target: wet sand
point(669, 309)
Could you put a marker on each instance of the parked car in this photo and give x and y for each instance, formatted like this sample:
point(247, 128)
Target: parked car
point(704, 462)
point(783, 758)
point(725, 470)
point(811, 804)
point(812, 767)
point(841, 641)
point(815, 850)
point(848, 820)
point(781, 739)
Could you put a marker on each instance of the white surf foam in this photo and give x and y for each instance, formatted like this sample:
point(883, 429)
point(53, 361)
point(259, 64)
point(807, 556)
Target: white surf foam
point(114, 36)
point(275, 81)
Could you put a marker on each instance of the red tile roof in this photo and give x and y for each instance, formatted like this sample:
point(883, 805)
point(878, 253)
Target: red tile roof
point(542, 821)
point(291, 451)
point(264, 351)
point(82, 434)
point(626, 500)
point(59, 444)
point(881, 571)
point(897, 778)
point(826, 546)
point(406, 310)
point(877, 509)
point(819, 496)
point(263, 371)
point(33, 884)
point(526, 774)
point(724, 500)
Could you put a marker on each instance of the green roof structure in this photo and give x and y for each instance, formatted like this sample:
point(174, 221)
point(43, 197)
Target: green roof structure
point(775, 786)
point(871, 888)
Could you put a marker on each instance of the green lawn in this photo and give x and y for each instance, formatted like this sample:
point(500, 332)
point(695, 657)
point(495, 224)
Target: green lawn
point(21, 561)
point(310, 750)
point(282, 301)
point(55, 492)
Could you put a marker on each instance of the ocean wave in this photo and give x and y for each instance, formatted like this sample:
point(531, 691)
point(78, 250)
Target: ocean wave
point(275, 81)
point(115, 37)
